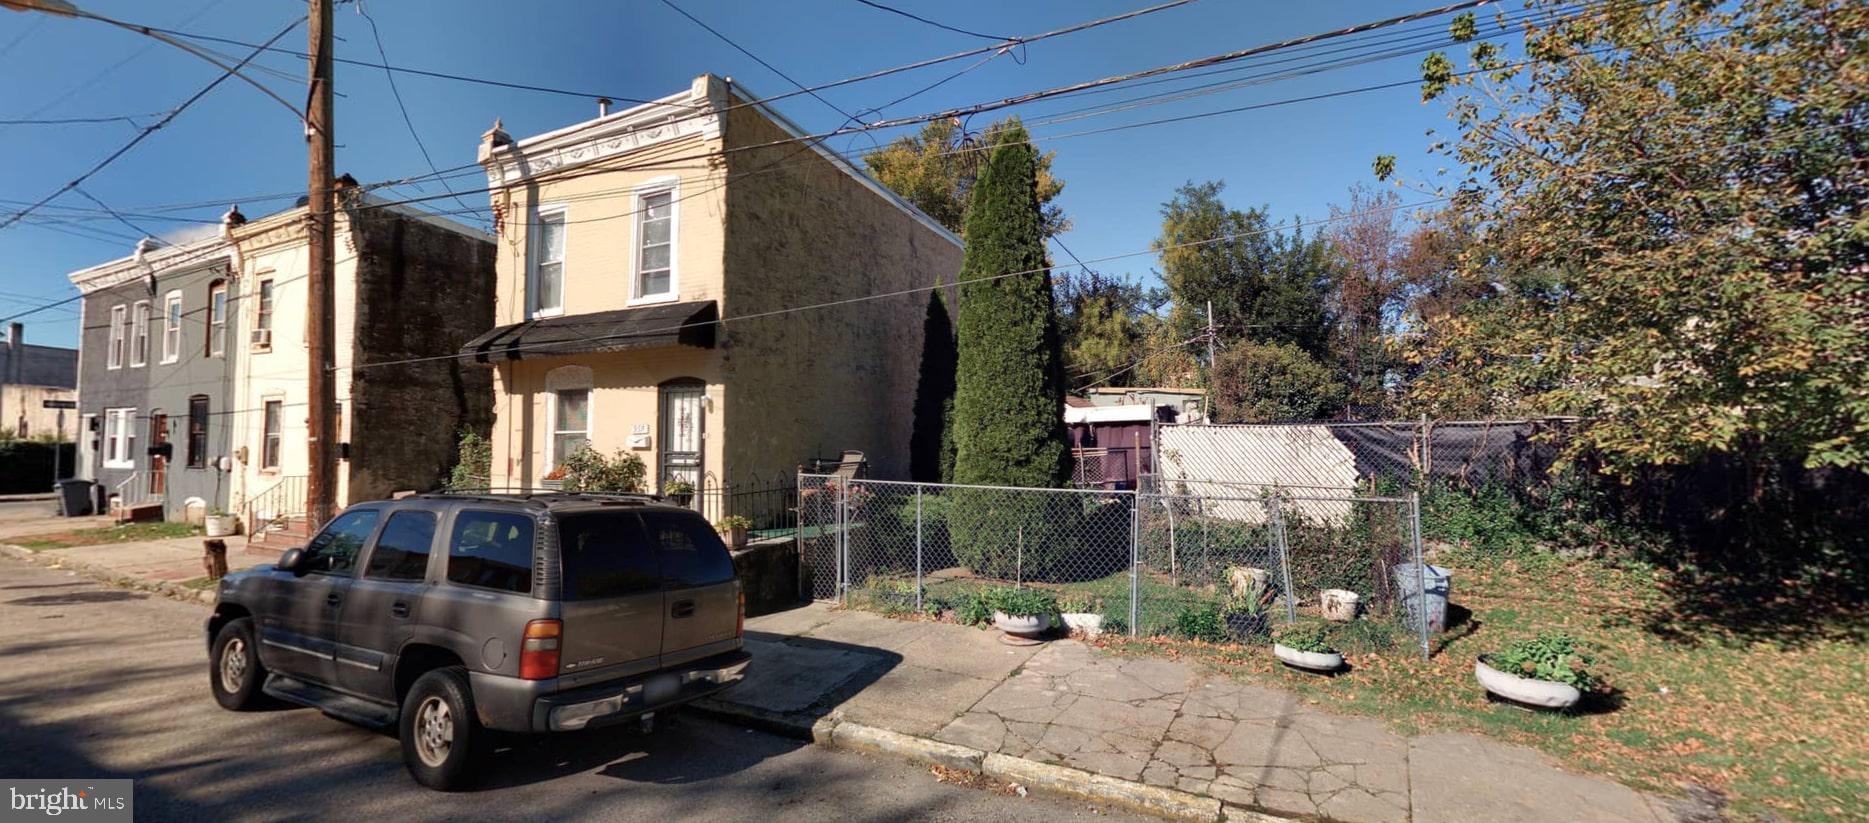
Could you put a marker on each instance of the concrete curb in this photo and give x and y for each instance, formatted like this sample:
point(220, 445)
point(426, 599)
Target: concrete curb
point(50, 559)
point(1169, 803)
point(923, 750)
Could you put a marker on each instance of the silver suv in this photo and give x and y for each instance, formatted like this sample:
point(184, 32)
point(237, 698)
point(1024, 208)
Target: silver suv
point(445, 616)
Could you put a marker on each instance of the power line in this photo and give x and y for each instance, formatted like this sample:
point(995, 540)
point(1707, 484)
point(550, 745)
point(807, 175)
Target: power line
point(146, 132)
point(920, 19)
point(390, 76)
point(78, 121)
point(78, 190)
point(108, 70)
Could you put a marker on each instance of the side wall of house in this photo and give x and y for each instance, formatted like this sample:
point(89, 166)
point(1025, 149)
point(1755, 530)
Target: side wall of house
point(801, 231)
point(421, 291)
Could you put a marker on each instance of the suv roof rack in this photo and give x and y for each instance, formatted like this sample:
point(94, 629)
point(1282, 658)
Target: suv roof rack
point(541, 497)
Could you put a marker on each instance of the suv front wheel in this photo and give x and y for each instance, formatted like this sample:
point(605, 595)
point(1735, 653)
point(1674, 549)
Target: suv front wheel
point(442, 741)
point(234, 670)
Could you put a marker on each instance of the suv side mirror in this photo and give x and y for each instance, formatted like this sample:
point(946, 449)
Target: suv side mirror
point(293, 560)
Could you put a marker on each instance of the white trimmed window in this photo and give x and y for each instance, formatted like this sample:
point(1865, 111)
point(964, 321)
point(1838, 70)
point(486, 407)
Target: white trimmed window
point(217, 318)
point(119, 433)
point(172, 327)
point(271, 435)
point(119, 333)
point(654, 257)
point(571, 423)
point(545, 288)
point(139, 333)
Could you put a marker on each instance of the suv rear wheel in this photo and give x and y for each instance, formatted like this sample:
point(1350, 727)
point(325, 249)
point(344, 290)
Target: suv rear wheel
point(442, 741)
point(234, 670)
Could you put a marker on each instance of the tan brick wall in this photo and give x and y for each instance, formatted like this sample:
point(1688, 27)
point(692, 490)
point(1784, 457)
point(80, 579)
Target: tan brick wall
point(800, 231)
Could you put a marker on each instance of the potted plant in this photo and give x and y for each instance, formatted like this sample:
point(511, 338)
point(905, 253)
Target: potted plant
point(1307, 647)
point(734, 526)
point(1246, 613)
point(679, 490)
point(1546, 671)
point(1081, 613)
point(1023, 614)
point(1338, 605)
point(219, 523)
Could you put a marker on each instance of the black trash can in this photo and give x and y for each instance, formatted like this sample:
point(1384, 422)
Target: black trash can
point(74, 497)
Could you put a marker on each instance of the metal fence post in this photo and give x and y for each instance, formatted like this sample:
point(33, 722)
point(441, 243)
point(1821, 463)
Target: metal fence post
point(1284, 558)
point(843, 544)
point(1421, 572)
point(798, 542)
point(1135, 559)
point(918, 548)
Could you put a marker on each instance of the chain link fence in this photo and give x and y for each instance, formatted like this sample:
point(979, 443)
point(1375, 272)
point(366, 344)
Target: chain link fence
point(1212, 566)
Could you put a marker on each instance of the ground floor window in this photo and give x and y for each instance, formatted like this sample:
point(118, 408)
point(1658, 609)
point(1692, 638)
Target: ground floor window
point(571, 424)
point(119, 432)
point(198, 431)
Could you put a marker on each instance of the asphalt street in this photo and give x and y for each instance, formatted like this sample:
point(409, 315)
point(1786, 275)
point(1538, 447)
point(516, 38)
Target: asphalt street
point(103, 682)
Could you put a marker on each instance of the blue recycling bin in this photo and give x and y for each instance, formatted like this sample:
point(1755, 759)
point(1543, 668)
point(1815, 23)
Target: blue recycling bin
point(1423, 595)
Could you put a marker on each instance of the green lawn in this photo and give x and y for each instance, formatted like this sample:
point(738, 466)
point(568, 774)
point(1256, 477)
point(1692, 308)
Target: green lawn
point(126, 533)
point(1777, 728)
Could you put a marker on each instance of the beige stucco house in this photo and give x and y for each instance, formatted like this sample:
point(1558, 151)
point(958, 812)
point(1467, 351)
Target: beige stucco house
point(663, 279)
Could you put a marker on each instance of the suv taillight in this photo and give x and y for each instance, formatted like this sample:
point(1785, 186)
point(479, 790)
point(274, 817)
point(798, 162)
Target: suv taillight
point(538, 655)
point(739, 623)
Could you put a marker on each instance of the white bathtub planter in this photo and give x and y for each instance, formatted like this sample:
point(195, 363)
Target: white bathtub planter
point(1022, 614)
point(218, 525)
point(1307, 647)
point(1546, 672)
point(1089, 623)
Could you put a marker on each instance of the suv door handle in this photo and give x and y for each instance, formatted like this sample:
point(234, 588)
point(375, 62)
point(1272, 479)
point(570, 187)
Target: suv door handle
point(682, 608)
point(332, 599)
point(398, 609)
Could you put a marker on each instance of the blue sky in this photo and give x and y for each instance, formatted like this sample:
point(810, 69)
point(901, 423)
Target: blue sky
point(236, 143)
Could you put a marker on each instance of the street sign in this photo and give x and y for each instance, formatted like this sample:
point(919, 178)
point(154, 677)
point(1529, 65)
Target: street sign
point(59, 404)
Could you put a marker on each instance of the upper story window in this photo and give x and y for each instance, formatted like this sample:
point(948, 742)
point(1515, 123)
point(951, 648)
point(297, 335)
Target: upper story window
point(119, 333)
point(217, 318)
point(263, 315)
point(654, 257)
point(172, 327)
point(545, 287)
point(139, 333)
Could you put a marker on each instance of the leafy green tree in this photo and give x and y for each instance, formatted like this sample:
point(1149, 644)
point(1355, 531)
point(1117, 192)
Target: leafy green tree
point(473, 466)
point(931, 438)
point(1009, 395)
point(1671, 215)
point(1266, 283)
point(1274, 383)
point(1105, 322)
point(937, 167)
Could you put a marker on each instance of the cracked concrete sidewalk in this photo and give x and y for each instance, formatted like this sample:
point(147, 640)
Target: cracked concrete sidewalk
point(1157, 722)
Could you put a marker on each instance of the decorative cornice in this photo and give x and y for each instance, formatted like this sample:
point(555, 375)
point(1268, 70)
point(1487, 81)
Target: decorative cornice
point(686, 114)
point(157, 264)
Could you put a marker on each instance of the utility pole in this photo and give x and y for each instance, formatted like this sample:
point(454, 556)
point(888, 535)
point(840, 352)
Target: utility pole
point(1207, 404)
point(321, 394)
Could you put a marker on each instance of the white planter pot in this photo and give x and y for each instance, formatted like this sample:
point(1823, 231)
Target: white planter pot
point(218, 525)
point(1338, 605)
point(1310, 661)
point(1024, 625)
point(1525, 690)
point(1090, 624)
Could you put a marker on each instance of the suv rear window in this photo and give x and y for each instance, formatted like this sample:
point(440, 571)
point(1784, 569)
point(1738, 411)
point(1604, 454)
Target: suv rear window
point(603, 554)
point(689, 550)
point(492, 550)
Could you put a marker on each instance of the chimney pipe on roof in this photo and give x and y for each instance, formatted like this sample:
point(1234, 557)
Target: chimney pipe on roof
point(16, 337)
point(603, 106)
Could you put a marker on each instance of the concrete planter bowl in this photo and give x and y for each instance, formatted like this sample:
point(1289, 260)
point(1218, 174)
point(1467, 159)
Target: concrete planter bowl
point(1322, 662)
point(1021, 626)
point(1544, 694)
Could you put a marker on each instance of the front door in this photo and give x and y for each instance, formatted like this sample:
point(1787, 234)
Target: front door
point(682, 432)
point(158, 463)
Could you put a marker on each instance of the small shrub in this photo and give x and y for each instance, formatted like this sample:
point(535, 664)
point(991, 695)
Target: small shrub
point(1306, 637)
point(1200, 621)
point(1011, 535)
point(473, 465)
point(968, 607)
point(890, 596)
point(1020, 602)
point(1078, 603)
point(587, 471)
point(731, 522)
point(1553, 657)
